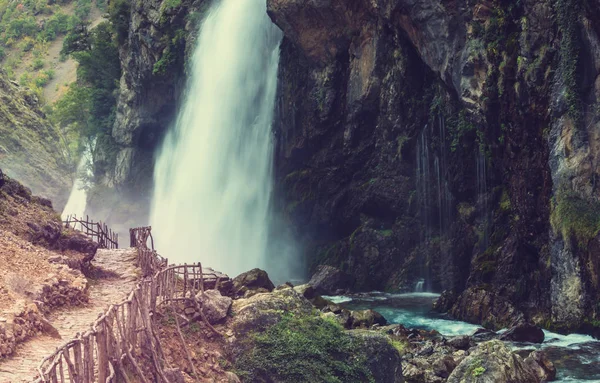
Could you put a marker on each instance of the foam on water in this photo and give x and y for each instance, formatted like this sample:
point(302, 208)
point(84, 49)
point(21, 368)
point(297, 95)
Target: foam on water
point(571, 340)
point(411, 310)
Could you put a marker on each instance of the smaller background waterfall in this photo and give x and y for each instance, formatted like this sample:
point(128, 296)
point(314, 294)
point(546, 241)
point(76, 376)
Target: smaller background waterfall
point(77, 201)
point(482, 199)
point(434, 201)
point(419, 288)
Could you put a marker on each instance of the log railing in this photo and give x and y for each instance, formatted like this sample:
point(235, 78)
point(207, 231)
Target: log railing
point(98, 231)
point(149, 260)
point(123, 345)
point(138, 237)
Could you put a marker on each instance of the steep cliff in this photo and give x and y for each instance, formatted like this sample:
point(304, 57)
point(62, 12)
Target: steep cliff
point(154, 38)
point(452, 142)
point(31, 148)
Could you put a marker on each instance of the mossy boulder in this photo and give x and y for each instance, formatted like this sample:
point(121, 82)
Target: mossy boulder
point(366, 318)
point(281, 337)
point(252, 282)
point(491, 362)
point(266, 309)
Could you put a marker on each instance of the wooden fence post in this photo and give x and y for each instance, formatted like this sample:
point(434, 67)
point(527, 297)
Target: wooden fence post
point(101, 338)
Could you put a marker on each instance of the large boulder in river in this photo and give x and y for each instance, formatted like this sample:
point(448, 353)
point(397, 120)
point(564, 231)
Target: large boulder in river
point(524, 332)
point(252, 282)
point(328, 280)
point(306, 290)
point(461, 342)
point(493, 362)
point(381, 358)
point(280, 337)
point(366, 319)
point(540, 365)
point(445, 301)
point(478, 305)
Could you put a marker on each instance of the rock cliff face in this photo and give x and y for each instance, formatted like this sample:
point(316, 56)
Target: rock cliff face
point(30, 146)
point(445, 144)
point(449, 141)
point(154, 39)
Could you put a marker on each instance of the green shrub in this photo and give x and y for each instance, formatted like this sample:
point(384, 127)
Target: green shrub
point(27, 44)
point(567, 16)
point(41, 80)
point(24, 79)
point(399, 345)
point(88, 108)
point(505, 204)
point(303, 349)
point(459, 126)
point(573, 215)
point(50, 73)
point(119, 15)
point(163, 64)
point(170, 4)
point(37, 64)
point(83, 8)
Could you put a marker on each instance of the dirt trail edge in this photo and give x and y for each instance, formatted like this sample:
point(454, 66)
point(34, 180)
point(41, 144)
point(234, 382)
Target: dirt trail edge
point(22, 367)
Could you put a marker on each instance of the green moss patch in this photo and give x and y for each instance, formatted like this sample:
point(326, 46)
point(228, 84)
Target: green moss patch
point(303, 349)
point(400, 345)
point(575, 216)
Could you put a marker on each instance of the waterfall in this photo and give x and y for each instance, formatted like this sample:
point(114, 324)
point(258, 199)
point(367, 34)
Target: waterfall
point(423, 179)
point(419, 288)
point(423, 182)
point(481, 162)
point(433, 193)
point(213, 173)
point(77, 202)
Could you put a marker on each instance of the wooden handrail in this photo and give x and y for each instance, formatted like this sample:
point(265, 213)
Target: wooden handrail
point(98, 231)
point(111, 347)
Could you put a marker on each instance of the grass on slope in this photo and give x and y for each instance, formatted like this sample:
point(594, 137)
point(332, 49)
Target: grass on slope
point(30, 29)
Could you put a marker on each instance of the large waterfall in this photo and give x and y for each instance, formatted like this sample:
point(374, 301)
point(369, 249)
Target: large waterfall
point(213, 174)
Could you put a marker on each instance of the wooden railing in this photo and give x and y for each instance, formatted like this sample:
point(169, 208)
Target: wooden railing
point(138, 237)
point(98, 231)
point(123, 345)
point(148, 259)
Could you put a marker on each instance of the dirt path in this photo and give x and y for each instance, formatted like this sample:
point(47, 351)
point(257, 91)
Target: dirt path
point(22, 366)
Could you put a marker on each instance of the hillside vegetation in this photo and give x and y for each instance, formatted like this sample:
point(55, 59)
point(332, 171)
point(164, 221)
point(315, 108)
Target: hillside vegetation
point(31, 148)
point(31, 35)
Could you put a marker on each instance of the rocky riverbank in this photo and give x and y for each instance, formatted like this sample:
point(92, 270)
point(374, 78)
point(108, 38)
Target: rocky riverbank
point(291, 334)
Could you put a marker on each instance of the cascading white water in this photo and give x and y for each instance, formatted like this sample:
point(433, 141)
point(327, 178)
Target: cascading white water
point(419, 287)
point(77, 202)
point(213, 174)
